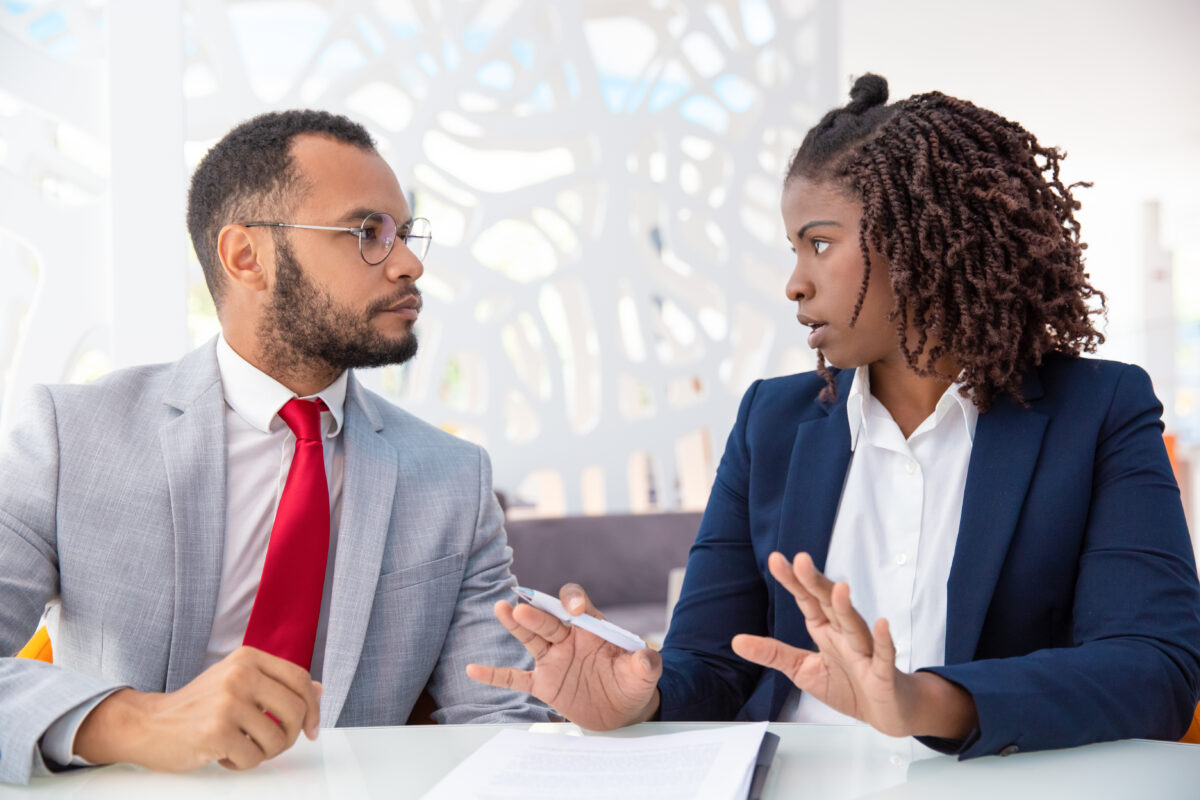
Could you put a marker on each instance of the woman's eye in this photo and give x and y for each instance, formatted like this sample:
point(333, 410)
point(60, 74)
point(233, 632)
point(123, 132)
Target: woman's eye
point(820, 246)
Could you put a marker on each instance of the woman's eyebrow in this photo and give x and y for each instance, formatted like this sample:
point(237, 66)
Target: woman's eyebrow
point(815, 223)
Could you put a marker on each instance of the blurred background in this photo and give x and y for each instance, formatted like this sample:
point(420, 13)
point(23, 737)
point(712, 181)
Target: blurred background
point(603, 181)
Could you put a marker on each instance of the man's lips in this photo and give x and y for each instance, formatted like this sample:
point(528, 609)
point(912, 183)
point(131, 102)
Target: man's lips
point(408, 307)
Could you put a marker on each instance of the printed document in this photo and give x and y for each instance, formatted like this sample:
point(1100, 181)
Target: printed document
point(709, 764)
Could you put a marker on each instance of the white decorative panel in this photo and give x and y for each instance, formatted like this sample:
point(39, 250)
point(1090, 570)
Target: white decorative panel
point(603, 181)
point(54, 178)
point(91, 204)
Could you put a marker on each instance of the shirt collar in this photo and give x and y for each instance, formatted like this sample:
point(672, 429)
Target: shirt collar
point(860, 401)
point(856, 403)
point(256, 397)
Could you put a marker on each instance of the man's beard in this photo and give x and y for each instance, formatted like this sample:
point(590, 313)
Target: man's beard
point(303, 324)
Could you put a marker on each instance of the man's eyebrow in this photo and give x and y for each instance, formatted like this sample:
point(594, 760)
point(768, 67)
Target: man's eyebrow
point(357, 215)
point(816, 223)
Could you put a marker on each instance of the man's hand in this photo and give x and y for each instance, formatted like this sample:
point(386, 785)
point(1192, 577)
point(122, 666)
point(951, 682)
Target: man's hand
point(591, 682)
point(246, 708)
point(854, 670)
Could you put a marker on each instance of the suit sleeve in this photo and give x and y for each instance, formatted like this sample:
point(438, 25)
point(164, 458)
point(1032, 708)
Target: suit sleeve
point(724, 594)
point(475, 635)
point(1134, 669)
point(33, 694)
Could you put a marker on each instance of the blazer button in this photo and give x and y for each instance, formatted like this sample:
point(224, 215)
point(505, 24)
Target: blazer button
point(1009, 750)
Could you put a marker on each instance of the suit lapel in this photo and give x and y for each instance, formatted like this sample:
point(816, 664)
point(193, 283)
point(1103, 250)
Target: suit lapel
point(368, 491)
point(1008, 441)
point(193, 450)
point(813, 489)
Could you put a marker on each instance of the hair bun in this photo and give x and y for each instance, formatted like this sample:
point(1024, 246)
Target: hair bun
point(869, 90)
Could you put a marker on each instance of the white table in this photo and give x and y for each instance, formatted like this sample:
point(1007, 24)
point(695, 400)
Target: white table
point(813, 761)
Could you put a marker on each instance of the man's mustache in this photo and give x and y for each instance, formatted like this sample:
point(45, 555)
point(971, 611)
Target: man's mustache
point(384, 305)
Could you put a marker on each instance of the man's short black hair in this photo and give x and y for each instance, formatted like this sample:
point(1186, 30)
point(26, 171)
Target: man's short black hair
point(250, 174)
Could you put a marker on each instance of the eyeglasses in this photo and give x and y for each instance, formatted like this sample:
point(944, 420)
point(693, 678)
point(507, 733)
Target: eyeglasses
point(375, 236)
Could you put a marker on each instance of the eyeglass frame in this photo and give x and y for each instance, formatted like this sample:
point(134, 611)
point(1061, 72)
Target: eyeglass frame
point(359, 234)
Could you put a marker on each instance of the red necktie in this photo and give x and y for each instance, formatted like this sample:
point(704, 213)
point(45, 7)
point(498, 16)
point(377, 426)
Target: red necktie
point(283, 621)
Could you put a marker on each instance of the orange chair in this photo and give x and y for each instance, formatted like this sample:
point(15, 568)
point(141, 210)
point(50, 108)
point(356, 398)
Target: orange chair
point(1193, 733)
point(38, 648)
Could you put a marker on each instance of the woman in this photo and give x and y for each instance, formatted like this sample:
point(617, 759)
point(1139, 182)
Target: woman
point(1003, 507)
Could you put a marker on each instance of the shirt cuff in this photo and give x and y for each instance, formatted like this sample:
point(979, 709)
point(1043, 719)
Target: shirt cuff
point(58, 742)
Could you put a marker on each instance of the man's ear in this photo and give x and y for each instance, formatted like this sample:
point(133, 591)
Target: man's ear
point(241, 254)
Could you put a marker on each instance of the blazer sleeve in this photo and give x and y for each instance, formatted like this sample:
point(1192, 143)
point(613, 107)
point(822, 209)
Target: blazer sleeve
point(1134, 669)
point(724, 594)
point(33, 694)
point(475, 636)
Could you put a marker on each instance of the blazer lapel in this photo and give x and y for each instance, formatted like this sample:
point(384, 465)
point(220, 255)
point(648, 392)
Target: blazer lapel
point(1008, 441)
point(193, 450)
point(368, 491)
point(812, 492)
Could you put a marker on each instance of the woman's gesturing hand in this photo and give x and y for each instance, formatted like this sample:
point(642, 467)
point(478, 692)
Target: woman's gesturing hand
point(853, 669)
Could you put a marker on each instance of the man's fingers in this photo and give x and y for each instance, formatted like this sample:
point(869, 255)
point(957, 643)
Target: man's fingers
point(292, 676)
point(576, 600)
point(241, 752)
point(312, 724)
point(286, 707)
point(535, 645)
point(770, 653)
point(505, 677)
point(541, 624)
point(269, 736)
point(647, 665)
point(853, 627)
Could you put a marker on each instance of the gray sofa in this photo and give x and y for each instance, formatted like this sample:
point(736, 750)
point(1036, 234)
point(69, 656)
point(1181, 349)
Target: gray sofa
point(621, 560)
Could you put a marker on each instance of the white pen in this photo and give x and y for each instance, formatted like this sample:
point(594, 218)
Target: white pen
point(600, 627)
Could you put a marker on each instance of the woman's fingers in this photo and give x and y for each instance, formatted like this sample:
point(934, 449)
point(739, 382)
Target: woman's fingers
point(883, 662)
point(781, 569)
point(771, 653)
point(816, 584)
point(855, 633)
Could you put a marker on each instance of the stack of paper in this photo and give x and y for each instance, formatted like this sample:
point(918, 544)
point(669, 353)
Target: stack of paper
point(712, 764)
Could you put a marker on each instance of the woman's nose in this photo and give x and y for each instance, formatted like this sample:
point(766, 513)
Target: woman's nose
point(799, 287)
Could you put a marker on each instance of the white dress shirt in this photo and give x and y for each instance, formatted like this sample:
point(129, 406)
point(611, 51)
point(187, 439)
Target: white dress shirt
point(258, 448)
point(896, 527)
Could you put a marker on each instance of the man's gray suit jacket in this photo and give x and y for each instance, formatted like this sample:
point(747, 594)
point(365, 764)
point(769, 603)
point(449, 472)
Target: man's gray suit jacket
point(112, 497)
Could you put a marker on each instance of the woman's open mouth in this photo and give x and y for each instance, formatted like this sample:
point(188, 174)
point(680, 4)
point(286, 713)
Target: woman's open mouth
point(817, 333)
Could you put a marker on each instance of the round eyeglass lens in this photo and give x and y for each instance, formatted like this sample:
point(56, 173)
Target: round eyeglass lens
point(419, 237)
point(379, 234)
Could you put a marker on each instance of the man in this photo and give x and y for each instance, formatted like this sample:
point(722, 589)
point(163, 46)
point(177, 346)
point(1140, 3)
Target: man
point(236, 565)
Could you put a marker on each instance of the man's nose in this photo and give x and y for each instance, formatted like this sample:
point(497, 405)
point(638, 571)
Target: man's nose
point(403, 264)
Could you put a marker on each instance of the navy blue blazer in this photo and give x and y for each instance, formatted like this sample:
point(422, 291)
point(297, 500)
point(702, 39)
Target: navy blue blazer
point(1073, 604)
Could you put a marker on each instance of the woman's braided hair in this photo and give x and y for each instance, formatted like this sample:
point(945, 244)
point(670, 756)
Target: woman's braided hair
point(979, 232)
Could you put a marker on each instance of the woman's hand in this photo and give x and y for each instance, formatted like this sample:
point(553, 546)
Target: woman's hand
point(853, 669)
point(594, 683)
